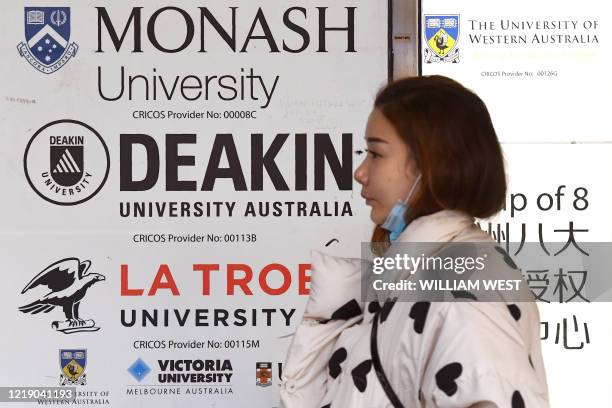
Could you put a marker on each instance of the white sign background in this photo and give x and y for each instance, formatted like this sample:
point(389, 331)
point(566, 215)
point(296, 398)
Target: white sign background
point(554, 133)
point(317, 92)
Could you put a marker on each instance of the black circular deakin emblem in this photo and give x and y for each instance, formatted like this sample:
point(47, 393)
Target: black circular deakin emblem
point(66, 162)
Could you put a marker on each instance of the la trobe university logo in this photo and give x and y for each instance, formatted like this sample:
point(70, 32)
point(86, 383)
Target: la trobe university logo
point(68, 279)
point(66, 162)
point(47, 44)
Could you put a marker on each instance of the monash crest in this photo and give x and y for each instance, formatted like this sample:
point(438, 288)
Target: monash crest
point(47, 32)
point(441, 36)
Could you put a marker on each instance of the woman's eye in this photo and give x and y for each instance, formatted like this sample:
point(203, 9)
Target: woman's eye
point(373, 154)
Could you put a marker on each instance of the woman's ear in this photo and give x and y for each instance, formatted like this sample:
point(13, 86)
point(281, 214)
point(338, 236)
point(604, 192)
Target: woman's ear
point(411, 170)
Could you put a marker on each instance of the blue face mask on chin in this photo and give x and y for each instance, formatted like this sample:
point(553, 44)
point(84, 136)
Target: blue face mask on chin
point(395, 222)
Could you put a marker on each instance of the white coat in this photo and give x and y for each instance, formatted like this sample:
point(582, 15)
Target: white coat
point(434, 354)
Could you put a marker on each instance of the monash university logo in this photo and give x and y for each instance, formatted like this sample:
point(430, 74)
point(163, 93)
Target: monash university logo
point(441, 36)
point(66, 162)
point(47, 34)
point(72, 363)
point(68, 281)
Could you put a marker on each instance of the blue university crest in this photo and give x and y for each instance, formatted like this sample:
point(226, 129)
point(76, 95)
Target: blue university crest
point(47, 34)
point(441, 36)
point(72, 363)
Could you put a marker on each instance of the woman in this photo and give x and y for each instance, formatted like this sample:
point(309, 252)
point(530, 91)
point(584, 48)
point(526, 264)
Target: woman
point(433, 165)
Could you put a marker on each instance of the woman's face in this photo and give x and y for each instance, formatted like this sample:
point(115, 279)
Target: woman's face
point(388, 171)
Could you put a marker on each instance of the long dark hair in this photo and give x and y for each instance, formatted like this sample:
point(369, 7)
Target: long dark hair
point(448, 129)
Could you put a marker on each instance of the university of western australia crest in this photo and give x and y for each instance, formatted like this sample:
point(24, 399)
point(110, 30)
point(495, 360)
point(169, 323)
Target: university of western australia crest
point(441, 36)
point(72, 363)
point(47, 44)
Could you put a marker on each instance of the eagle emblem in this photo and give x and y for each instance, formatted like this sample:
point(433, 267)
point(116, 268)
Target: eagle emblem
point(68, 281)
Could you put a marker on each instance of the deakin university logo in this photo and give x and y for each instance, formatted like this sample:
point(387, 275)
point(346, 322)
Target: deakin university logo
point(55, 166)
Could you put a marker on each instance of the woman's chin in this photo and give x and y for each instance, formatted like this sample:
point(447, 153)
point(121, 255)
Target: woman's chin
point(376, 217)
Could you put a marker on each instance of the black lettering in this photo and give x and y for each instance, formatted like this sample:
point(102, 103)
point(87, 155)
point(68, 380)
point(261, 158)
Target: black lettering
point(126, 181)
point(229, 40)
point(259, 161)
point(188, 25)
point(324, 151)
point(224, 142)
point(173, 161)
point(296, 28)
point(301, 161)
point(103, 17)
point(261, 18)
point(350, 29)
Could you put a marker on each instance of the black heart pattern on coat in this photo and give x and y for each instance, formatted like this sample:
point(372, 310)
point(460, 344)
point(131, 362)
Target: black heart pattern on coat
point(386, 309)
point(334, 362)
point(463, 294)
point(374, 306)
point(446, 376)
point(517, 400)
point(418, 312)
point(346, 311)
point(514, 311)
point(507, 258)
point(327, 406)
point(359, 374)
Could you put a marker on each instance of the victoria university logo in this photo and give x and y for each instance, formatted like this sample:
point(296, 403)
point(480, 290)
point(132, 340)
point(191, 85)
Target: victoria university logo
point(66, 162)
point(68, 281)
point(47, 34)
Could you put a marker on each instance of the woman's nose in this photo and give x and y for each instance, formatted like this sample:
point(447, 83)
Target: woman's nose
point(361, 174)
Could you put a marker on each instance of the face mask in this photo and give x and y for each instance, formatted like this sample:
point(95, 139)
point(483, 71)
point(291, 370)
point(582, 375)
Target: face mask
point(395, 221)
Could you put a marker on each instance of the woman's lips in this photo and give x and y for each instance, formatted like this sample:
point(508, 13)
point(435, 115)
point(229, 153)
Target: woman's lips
point(368, 200)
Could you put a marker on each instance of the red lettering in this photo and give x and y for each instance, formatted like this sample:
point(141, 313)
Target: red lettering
point(125, 290)
point(206, 269)
point(242, 282)
point(160, 283)
point(263, 282)
point(303, 279)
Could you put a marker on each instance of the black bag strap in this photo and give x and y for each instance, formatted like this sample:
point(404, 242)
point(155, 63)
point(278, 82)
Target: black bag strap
point(380, 373)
